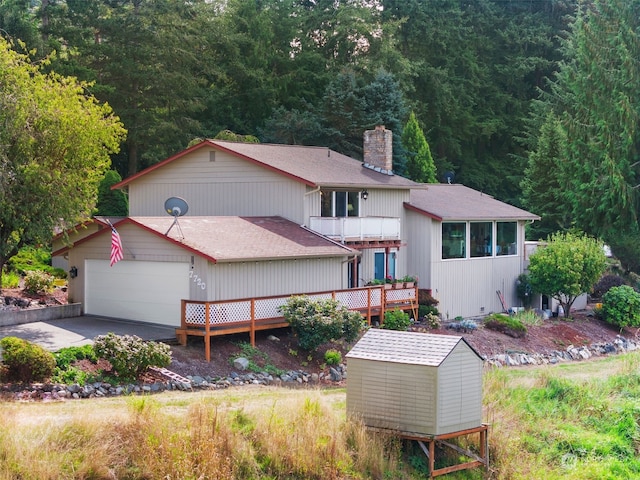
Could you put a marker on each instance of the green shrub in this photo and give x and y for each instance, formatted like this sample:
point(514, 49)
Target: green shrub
point(66, 356)
point(31, 258)
point(524, 289)
point(621, 307)
point(396, 320)
point(332, 357)
point(424, 310)
point(26, 361)
point(37, 281)
point(316, 322)
point(505, 324)
point(10, 279)
point(129, 355)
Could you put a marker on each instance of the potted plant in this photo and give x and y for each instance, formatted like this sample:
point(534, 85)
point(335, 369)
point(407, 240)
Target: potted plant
point(409, 281)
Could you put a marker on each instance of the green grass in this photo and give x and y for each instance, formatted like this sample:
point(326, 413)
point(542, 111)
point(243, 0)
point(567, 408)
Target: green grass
point(570, 421)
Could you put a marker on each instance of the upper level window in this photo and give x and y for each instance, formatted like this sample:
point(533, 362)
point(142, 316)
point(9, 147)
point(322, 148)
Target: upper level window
point(506, 238)
point(454, 237)
point(340, 204)
point(481, 239)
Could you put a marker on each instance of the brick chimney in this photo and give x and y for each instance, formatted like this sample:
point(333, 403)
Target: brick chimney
point(378, 150)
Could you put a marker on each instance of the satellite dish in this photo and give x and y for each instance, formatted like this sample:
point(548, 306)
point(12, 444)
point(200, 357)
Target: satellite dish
point(176, 206)
point(449, 177)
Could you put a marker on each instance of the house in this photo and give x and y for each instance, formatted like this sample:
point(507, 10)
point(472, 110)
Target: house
point(376, 224)
point(415, 383)
point(466, 246)
point(200, 258)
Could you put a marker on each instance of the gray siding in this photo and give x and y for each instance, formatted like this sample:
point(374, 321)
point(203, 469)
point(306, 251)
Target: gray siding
point(392, 395)
point(460, 382)
point(277, 277)
point(464, 287)
point(228, 186)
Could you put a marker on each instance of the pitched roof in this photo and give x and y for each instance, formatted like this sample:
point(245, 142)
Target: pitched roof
point(314, 166)
point(236, 238)
point(228, 239)
point(413, 348)
point(457, 202)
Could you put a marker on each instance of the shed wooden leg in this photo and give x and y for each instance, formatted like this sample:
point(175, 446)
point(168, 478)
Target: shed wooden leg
point(207, 347)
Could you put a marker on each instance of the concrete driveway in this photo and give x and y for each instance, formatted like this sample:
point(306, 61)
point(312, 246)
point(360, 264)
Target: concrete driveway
point(68, 332)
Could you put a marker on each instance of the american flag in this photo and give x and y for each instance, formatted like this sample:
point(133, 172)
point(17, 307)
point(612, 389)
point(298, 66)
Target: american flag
point(116, 246)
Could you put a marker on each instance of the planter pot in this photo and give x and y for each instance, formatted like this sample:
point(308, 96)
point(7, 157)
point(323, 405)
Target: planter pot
point(409, 284)
point(387, 286)
point(398, 285)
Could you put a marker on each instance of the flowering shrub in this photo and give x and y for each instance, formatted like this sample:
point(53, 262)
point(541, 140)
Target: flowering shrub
point(319, 321)
point(37, 281)
point(129, 355)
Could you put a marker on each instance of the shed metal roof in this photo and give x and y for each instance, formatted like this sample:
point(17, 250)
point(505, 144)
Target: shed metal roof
point(413, 348)
point(457, 202)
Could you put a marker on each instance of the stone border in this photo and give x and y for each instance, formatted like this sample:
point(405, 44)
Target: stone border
point(515, 359)
point(44, 314)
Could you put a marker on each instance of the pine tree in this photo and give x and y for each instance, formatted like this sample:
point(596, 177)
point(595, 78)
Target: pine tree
point(420, 165)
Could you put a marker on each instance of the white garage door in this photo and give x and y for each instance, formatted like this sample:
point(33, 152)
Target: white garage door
point(143, 291)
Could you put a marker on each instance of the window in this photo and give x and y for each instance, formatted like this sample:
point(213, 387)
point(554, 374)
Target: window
point(506, 238)
point(481, 239)
point(340, 204)
point(454, 235)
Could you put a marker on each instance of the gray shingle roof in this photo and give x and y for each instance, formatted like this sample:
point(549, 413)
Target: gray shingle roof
point(457, 202)
point(405, 347)
point(245, 238)
point(317, 165)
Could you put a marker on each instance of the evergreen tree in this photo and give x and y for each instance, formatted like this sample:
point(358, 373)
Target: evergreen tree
point(420, 166)
point(111, 203)
point(596, 97)
point(543, 187)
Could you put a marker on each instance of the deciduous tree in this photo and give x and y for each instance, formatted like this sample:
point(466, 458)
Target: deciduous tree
point(55, 142)
point(568, 266)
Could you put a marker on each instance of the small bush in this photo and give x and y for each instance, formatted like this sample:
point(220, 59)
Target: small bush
point(396, 320)
point(66, 356)
point(524, 289)
point(129, 355)
point(26, 361)
point(621, 307)
point(332, 357)
point(316, 322)
point(425, 298)
point(432, 320)
point(37, 281)
point(10, 279)
point(424, 310)
point(31, 259)
point(505, 324)
point(606, 283)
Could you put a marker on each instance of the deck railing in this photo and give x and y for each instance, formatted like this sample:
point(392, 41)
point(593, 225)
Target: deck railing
point(225, 317)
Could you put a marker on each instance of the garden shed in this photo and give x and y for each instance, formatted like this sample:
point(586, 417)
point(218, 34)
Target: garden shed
point(417, 384)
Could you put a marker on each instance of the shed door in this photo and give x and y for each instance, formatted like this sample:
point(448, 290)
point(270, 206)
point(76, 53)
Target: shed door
point(142, 291)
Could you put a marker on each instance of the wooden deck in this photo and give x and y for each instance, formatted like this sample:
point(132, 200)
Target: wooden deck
point(212, 318)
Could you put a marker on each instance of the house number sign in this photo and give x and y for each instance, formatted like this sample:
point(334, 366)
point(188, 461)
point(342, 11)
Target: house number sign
point(197, 280)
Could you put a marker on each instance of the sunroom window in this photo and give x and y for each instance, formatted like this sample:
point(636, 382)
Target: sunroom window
point(454, 237)
point(481, 239)
point(506, 238)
